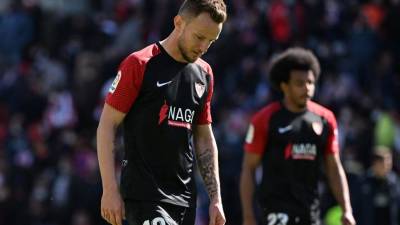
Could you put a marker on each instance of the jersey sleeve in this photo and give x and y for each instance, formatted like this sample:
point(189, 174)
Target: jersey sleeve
point(126, 85)
point(332, 145)
point(256, 137)
point(205, 115)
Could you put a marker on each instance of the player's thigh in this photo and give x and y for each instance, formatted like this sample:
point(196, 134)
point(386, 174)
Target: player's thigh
point(154, 213)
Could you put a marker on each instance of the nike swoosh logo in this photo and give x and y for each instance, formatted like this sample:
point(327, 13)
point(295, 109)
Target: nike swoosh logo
point(162, 84)
point(282, 130)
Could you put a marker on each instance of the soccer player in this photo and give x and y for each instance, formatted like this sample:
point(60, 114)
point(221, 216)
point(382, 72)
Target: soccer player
point(161, 96)
point(292, 139)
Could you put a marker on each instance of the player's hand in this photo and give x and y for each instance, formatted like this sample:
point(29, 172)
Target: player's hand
point(217, 216)
point(348, 219)
point(112, 207)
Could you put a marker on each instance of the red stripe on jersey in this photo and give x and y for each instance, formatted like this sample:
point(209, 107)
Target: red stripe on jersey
point(205, 115)
point(163, 113)
point(260, 122)
point(124, 91)
point(288, 150)
point(180, 124)
point(332, 145)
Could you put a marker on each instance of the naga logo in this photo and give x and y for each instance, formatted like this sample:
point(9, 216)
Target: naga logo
point(177, 117)
point(303, 151)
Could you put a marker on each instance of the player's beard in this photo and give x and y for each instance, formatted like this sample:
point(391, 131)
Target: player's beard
point(302, 103)
point(183, 51)
point(299, 102)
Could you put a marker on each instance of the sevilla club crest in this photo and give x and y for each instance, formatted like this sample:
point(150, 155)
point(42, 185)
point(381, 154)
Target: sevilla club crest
point(317, 127)
point(200, 88)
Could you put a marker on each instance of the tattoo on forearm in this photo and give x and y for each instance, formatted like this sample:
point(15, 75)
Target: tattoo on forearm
point(208, 171)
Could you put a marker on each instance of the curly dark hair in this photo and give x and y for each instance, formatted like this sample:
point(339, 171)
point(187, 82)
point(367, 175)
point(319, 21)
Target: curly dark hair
point(292, 59)
point(216, 9)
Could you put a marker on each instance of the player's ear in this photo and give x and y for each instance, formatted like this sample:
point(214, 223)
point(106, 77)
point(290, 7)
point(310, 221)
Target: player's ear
point(179, 22)
point(283, 86)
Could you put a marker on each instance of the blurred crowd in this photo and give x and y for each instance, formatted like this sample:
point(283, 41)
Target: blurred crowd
point(58, 58)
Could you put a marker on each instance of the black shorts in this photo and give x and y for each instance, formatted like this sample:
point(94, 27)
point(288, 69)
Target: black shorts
point(283, 218)
point(158, 213)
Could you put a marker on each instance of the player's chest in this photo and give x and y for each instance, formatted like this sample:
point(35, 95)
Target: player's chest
point(181, 86)
point(301, 137)
point(303, 127)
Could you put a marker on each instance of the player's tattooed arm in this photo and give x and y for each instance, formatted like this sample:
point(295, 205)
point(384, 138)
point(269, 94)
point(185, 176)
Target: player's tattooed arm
point(207, 160)
point(206, 163)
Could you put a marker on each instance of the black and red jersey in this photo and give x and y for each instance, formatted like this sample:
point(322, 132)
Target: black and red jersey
point(163, 99)
point(293, 146)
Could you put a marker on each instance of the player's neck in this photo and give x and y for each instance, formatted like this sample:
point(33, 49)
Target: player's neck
point(292, 107)
point(170, 45)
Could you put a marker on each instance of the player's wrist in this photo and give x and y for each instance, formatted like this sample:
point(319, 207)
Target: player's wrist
point(216, 199)
point(110, 188)
point(347, 209)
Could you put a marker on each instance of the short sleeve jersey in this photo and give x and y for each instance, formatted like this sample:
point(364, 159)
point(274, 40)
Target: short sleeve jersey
point(163, 99)
point(292, 146)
